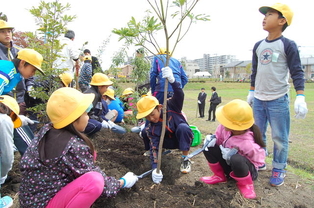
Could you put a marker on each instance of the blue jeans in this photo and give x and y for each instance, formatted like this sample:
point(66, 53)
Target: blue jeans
point(277, 114)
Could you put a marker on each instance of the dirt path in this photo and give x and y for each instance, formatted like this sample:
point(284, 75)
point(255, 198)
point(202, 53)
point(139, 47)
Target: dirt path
point(119, 154)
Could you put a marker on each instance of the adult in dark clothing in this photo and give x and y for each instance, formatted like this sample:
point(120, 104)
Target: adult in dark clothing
point(201, 99)
point(213, 105)
point(95, 62)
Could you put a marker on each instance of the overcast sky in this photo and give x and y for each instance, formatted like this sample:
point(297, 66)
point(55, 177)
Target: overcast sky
point(234, 28)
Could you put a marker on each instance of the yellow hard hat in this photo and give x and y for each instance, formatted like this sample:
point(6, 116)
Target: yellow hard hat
point(145, 106)
point(86, 58)
point(149, 93)
point(66, 104)
point(236, 115)
point(5, 25)
point(164, 51)
point(32, 57)
point(11, 103)
point(66, 78)
point(127, 91)
point(110, 93)
point(282, 8)
point(100, 79)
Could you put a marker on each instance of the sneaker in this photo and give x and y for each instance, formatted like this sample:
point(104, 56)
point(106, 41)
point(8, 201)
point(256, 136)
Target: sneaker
point(263, 167)
point(277, 178)
point(185, 166)
point(6, 201)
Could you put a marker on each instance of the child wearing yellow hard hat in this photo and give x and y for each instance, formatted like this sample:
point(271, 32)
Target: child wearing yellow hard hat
point(128, 101)
point(157, 83)
point(100, 116)
point(276, 61)
point(58, 169)
point(9, 119)
point(178, 134)
point(114, 104)
point(66, 79)
point(236, 149)
point(86, 73)
point(27, 62)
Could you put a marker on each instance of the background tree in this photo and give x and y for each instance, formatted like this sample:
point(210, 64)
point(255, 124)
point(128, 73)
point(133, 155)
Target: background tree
point(3, 17)
point(144, 33)
point(51, 20)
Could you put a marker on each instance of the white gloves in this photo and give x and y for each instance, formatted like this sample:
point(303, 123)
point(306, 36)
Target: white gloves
point(157, 177)
point(25, 120)
point(107, 124)
point(129, 180)
point(300, 107)
point(167, 73)
point(199, 102)
point(250, 97)
point(212, 141)
point(227, 153)
point(111, 124)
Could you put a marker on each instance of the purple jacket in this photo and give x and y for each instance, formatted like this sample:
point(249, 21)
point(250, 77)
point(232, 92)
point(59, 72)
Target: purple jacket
point(51, 162)
point(244, 143)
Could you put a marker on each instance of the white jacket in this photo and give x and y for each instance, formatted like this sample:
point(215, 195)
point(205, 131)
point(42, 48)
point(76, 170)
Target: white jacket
point(67, 54)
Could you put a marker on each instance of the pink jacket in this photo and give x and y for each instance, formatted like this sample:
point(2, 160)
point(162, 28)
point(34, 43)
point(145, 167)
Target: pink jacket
point(244, 143)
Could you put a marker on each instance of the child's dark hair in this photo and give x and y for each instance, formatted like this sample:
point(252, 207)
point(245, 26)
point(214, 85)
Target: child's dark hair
point(257, 135)
point(73, 130)
point(285, 25)
point(4, 109)
point(17, 61)
point(213, 88)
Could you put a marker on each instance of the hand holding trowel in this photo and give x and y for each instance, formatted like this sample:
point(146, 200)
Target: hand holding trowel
point(209, 141)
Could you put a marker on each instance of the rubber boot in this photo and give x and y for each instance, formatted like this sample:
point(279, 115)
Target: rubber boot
point(245, 185)
point(218, 177)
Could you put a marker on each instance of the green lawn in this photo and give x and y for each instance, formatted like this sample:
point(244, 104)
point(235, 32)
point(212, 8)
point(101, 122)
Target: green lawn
point(301, 152)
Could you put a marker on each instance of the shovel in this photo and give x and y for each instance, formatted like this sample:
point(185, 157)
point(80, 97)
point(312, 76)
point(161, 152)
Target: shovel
point(149, 171)
point(198, 151)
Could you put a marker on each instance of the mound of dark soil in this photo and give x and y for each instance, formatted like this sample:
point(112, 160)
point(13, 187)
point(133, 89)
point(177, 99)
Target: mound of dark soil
point(118, 154)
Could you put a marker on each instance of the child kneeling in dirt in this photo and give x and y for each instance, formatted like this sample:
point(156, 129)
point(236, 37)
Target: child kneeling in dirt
point(236, 149)
point(58, 168)
point(178, 134)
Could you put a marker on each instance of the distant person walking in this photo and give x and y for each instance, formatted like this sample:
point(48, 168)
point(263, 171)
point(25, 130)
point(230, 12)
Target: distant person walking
point(201, 100)
point(213, 105)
